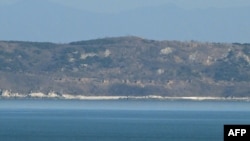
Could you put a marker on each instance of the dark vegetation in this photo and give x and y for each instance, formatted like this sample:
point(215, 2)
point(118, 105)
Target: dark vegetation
point(126, 66)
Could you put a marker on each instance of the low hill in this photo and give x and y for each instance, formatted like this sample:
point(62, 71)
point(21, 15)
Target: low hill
point(126, 66)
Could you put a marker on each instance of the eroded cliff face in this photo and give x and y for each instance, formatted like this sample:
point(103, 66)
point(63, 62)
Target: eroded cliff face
point(126, 66)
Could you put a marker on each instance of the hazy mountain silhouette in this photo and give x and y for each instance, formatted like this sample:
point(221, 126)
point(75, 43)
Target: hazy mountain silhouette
point(47, 21)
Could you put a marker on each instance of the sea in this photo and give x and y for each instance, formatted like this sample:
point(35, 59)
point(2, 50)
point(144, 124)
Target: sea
point(118, 120)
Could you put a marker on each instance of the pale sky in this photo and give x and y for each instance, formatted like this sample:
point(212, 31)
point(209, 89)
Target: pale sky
point(71, 20)
point(110, 6)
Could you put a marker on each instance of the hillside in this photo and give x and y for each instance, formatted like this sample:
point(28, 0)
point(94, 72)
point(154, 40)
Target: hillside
point(126, 66)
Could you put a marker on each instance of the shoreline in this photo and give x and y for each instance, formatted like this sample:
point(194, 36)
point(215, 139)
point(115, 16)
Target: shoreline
point(51, 95)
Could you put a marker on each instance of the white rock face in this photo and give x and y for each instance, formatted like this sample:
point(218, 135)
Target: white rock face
point(193, 56)
point(9, 94)
point(85, 55)
point(38, 94)
point(209, 61)
point(71, 59)
point(166, 51)
point(107, 53)
point(6, 93)
point(52, 95)
point(160, 71)
point(244, 56)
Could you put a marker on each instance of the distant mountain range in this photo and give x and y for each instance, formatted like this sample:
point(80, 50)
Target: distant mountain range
point(126, 66)
point(46, 21)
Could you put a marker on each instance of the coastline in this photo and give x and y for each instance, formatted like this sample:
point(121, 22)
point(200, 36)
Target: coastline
point(52, 95)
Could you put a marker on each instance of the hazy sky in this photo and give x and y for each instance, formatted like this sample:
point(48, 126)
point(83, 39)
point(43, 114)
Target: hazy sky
point(109, 6)
point(70, 20)
point(119, 5)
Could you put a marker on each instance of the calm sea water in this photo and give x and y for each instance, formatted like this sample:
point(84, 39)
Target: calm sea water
point(120, 120)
